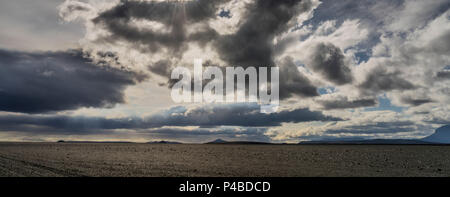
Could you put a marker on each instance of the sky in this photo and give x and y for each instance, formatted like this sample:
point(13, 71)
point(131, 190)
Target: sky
point(100, 69)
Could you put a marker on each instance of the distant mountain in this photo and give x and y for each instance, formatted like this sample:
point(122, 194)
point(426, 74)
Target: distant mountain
point(217, 141)
point(163, 142)
point(220, 141)
point(441, 135)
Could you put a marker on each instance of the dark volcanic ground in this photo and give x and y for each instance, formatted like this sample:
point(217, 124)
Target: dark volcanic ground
point(97, 159)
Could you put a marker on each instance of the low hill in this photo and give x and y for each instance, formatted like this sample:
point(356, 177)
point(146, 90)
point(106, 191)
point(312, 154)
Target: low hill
point(220, 141)
point(62, 141)
point(163, 142)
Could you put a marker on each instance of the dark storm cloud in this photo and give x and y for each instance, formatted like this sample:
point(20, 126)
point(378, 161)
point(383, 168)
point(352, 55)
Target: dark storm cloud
point(379, 79)
point(414, 101)
point(162, 68)
point(443, 74)
point(263, 20)
point(55, 81)
point(52, 124)
point(245, 115)
point(118, 20)
point(329, 61)
point(252, 44)
point(237, 115)
point(292, 82)
point(344, 103)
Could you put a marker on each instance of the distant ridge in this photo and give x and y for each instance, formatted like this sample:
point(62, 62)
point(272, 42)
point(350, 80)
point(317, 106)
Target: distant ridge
point(63, 141)
point(163, 142)
point(220, 141)
point(126, 142)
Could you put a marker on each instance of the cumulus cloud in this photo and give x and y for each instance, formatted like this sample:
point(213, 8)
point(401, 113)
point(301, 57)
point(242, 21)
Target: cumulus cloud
point(360, 125)
point(379, 80)
point(160, 35)
point(416, 14)
point(377, 127)
point(329, 61)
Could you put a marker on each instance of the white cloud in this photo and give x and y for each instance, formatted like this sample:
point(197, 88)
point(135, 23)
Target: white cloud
point(415, 14)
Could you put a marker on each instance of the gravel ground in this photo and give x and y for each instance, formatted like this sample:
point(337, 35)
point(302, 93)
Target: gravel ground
point(149, 160)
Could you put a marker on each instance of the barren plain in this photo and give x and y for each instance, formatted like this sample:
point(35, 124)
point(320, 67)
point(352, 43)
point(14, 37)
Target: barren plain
point(214, 160)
